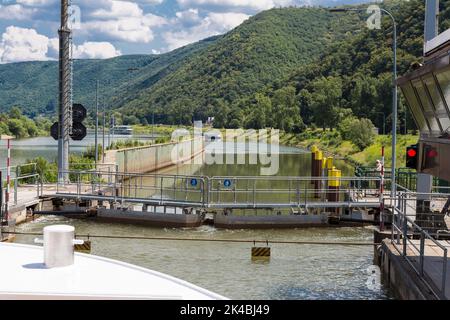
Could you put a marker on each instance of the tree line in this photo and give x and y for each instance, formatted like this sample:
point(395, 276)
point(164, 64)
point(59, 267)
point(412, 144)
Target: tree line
point(14, 123)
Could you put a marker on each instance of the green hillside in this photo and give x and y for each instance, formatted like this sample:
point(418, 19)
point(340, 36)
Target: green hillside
point(34, 85)
point(354, 76)
point(263, 50)
point(283, 68)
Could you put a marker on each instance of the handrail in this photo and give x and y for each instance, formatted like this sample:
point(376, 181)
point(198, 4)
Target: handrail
point(206, 192)
point(405, 230)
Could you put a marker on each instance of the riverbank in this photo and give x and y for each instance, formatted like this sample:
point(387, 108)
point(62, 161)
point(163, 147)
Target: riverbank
point(334, 145)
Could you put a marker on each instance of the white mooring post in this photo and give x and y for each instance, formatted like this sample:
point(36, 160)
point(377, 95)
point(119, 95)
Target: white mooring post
point(59, 245)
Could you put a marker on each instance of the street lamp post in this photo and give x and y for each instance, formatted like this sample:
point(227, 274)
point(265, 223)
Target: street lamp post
point(153, 126)
point(96, 125)
point(394, 98)
point(103, 142)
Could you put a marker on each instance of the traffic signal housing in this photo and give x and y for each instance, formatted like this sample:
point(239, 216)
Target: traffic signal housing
point(79, 113)
point(79, 130)
point(430, 157)
point(412, 156)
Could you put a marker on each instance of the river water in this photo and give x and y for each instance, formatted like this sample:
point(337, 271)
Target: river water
point(293, 272)
point(47, 147)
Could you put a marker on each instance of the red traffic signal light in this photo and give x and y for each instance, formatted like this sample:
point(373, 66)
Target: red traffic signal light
point(430, 157)
point(432, 153)
point(412, 155)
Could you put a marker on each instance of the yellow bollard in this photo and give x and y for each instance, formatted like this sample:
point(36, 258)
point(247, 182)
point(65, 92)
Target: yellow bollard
point(324, 162)
point(334, 184)
point(335, 177)
point(330, 163)
point(318, 172)
point(314, 149)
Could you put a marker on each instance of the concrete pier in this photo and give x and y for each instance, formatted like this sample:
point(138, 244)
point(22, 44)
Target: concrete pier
point(270, 221)
point(150, 218)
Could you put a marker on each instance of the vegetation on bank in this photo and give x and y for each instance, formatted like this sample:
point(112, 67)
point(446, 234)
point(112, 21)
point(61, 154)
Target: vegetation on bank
point(332, 143)
point(48, 170)
point(86, 161)
point(14, 123)
point(133, 143)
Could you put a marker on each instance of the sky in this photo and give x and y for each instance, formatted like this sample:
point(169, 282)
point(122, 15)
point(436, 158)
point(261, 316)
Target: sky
point(108, 28)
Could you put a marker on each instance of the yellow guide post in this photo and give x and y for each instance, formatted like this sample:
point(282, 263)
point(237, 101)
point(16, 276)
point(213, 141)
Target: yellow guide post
point(335, 177)
point(318, 155)
point(317, 171)
point(314, 149)
point(324, 162)
point(330, 163)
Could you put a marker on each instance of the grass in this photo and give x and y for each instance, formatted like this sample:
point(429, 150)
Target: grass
point(332, 144)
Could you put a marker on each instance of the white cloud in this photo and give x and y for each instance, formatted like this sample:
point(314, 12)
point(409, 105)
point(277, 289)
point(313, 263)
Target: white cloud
point(212, 24)
point(250, 4)
point(16, 12)
point(188, 16)
point(37, 3)
point(120, 20)
point(117, 9)
point(129, 29)
point(95, 50)
point(22, 44)
point(150, 1)
point(53, 48)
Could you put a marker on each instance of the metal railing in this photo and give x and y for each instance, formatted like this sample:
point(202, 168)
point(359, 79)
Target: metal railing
point(405, 177)
point(154, 189)
point(292, 192)
point(220, 192)
point(416, 245)
point(23, 175)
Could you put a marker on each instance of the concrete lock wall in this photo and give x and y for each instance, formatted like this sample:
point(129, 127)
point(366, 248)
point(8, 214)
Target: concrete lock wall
point(154, 157)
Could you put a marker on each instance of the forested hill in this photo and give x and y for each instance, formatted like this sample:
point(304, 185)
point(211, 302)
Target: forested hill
point(287, 68)
point(190, 81)
point(354, 76)
point(262, 51)
point(33, 86)
point(282, 68)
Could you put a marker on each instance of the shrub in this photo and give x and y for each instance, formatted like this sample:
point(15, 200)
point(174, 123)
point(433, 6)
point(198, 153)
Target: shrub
point(361, 133)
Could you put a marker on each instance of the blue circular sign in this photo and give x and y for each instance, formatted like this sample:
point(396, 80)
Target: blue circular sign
point(194, 182)
point(227, 183)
